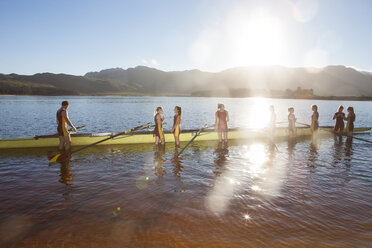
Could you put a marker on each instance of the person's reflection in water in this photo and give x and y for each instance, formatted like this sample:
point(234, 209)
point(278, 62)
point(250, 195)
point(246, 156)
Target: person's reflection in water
point(65, 172)
point(290, 149)
point(177, 163)
point(271, 154)
point(337, 154)
point(313, 154)
point(222, 152)
point(159, 160)
point(348, 150)
point(64, 161)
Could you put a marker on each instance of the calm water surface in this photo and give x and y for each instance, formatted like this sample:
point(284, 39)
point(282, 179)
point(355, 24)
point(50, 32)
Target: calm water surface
point(247, 194)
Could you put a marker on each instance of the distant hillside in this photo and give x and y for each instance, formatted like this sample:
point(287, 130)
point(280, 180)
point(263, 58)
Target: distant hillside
point(58, 84)
point(239, 81)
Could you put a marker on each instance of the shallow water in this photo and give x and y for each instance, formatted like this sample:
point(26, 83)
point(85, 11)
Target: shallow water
point(248, 194)
point(27, 116)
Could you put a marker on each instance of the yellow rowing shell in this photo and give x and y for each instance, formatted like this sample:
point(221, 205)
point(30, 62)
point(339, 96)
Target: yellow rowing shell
point(84, 139)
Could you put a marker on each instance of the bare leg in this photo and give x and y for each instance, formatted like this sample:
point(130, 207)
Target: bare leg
point(162, 141)
point(225, 136)
point(219, 136)
point(272, 135)
point(156, 140)
point(61, 143)
point(177, 140)
point(68, 142)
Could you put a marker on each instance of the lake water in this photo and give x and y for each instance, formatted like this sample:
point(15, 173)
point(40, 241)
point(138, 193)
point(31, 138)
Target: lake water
point(245, 195)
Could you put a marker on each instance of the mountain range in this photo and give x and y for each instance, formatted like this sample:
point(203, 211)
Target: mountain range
point(141, 80)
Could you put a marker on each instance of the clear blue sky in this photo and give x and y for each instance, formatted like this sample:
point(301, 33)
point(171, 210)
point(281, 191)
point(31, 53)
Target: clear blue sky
point(77, 36)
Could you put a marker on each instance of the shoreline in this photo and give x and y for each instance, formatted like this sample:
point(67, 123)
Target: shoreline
point(324, 98)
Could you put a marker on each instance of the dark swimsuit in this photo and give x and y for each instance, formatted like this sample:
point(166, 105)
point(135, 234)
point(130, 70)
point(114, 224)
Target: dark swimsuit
point(340, 121)
point(222, 124)
point(62, 127)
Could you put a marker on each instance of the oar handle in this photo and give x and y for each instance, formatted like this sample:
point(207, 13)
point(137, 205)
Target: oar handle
point(70, 129)
point(80, 127)
point(153, 125)
point(281, 122)
point(303, 124)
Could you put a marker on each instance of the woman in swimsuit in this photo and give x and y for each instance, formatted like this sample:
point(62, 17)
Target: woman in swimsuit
point(222, 117)
point(350, 121)
point(176, 130)
point(314, 119)
point(291, 123)
point(339, 116)
point(158, 132)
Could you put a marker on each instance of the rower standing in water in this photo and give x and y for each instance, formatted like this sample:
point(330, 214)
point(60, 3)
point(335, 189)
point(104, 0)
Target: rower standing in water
point(339, 116)
point(158, 131)
point(62, 122)
point(314, 120)
point(350, 121)
point(222, 117)
point(291, 123)
point(176, 130)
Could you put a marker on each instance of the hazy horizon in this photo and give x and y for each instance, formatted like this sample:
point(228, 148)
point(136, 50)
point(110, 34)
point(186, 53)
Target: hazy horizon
point(311, 68)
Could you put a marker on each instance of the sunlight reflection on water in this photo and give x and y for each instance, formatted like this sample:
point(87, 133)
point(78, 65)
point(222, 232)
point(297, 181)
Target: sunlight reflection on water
point(254, 171)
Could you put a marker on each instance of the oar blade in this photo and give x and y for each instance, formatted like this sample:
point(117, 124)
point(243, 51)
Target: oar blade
point(54, 158)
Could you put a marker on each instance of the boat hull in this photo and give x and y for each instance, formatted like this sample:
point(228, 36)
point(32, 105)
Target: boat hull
point(147, 137)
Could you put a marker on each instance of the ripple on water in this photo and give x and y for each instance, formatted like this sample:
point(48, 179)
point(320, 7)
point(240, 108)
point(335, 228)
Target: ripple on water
point(238, 196)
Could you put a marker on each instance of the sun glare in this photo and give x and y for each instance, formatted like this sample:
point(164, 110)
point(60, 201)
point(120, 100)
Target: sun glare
point(256, 39)
point(259, 115)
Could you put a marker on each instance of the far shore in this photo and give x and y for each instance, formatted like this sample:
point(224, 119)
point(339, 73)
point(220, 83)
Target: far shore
point(326, 98)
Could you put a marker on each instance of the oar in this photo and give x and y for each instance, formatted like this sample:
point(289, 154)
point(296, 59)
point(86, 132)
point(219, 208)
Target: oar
point(54, 158)
point(196, 135)
point(147, 127)
point(365, 140)
point(39, 136)
point(281, 122)
point(77, 128)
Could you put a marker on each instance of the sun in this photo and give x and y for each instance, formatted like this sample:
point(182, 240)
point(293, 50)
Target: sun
point(256, 39)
